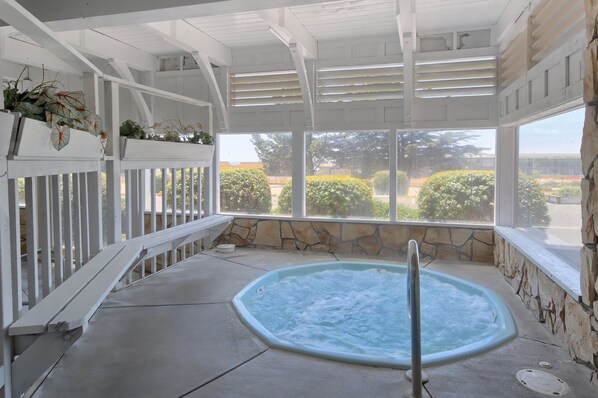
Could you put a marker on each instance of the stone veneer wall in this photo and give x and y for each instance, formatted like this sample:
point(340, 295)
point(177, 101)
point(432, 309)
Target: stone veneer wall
point(346, 237)
point(574, 323)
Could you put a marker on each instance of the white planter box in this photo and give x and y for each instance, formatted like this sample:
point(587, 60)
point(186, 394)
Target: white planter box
point(131, 149)
point(7, 121)
point(33, 141)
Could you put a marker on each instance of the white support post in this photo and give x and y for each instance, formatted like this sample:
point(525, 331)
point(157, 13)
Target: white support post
point(6, 288)
point(212, 177)
point(114, 218)
point(91, 91)
point(392, 189)
point(96, 236)
point(208, 73)
point(124, 72)
point(407, 35)
point(507, 166)
point(298, 175)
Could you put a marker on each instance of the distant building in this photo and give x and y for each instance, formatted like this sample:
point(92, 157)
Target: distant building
point(539, 164)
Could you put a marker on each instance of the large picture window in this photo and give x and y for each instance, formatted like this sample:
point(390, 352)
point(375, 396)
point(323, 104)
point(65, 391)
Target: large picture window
point(549, 183)
point(254, 168)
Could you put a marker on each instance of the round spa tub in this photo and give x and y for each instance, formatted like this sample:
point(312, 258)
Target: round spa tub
point(356, 312)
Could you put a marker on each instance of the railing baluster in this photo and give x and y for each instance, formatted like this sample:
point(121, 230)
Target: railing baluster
point(67, 214)
point(200, 183)
point(94, 194)
point(84, 209)
point(174, 212)
point(15, 249)
point(183, 209)
point(45, 240)
point(129, 213)
point(164, 212)
point(32, 231)
point(153, 211)
point(141, 212)
point(57, 230)
point(77, 237)
point(192, 201)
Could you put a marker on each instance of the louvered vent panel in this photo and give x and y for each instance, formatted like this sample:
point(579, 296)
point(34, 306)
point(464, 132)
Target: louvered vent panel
point(513, 60)
point(552, 21)
point(265, 88)
point(456, 78)
point(363, 83)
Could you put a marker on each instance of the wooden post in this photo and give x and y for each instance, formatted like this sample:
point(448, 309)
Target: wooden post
point(112, 124)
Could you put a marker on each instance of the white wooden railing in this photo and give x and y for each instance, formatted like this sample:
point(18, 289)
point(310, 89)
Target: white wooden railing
point(68, 219)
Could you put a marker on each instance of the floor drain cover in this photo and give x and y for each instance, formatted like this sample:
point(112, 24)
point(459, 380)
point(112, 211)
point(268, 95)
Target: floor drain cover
point(542, 382)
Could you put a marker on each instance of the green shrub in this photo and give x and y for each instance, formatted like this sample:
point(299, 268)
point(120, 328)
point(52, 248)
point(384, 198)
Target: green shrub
point(468, 195)
point(244, 191)
point(532, 203)
point(335, 196)
point(570, 191)
point(382, 211)
point(179, 188)
point(382, 182)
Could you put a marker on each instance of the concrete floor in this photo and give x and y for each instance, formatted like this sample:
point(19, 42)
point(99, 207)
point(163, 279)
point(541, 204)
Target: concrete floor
point(176, 334)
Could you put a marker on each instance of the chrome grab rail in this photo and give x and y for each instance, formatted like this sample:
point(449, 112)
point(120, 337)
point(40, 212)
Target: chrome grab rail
point(414, 315)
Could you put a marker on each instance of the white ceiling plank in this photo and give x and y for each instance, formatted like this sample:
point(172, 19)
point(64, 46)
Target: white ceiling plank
point(288, 28)
point(101, 46)
point(208, 73)
point(24, 53)
point(188, 38)
point(124, 72)
point(25, 22)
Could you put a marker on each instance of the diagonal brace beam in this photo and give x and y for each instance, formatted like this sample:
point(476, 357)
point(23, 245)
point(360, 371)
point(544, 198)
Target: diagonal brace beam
point(124, 72)
point(308, 104)
point(285, 25)
point(25, 22)
point(208, 73)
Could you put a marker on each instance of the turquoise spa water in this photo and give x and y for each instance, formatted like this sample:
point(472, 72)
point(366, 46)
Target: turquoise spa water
point(365, 312)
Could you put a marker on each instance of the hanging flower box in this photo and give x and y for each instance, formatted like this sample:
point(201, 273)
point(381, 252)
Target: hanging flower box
point(34, 141)
point(132, 149)
point(7, 121)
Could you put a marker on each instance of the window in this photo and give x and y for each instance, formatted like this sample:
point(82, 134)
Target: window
point(446, 176)
point(549, 183)
point(254, 171)
point(345, 174)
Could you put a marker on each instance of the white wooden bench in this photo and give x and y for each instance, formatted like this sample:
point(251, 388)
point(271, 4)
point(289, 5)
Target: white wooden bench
point(44, 333)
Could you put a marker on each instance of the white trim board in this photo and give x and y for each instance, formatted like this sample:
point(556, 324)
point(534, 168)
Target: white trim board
point(555, 268)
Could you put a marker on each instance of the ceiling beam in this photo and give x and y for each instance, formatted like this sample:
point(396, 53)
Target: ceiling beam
point(124, 72)
point(25, 22)
point(25, 53)
point(288, 29)
point(66, 15)
point(208, 73)
point(188, 38)
point(98, 45)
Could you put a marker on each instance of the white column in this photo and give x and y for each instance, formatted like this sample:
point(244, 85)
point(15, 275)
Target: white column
point(507, 166)
point(298, 175)
point(113, 219)
point(392, 189)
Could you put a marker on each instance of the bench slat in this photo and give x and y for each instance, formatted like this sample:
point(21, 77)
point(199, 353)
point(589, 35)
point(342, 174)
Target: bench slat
point(78, 312)
point(36, 320)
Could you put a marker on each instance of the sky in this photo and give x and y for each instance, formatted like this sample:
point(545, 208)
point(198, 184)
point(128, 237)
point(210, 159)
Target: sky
point(558, 134)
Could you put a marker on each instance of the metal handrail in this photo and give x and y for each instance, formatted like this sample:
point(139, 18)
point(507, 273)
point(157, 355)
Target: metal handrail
point(414, 315)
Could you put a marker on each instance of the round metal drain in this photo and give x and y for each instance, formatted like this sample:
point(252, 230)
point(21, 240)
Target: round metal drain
point(542, 382)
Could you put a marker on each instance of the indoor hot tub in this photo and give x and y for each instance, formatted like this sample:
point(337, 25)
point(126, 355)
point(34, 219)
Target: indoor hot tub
point(356, 312)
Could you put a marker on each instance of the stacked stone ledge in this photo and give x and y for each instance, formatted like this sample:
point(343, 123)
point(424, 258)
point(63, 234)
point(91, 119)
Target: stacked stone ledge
point(343, 237)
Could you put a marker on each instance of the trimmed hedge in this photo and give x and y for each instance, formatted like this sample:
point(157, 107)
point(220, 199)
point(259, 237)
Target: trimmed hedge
point(382, 212)
point(335, 196)
point(244, 191)
point(382, 182)
point(468, 195)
